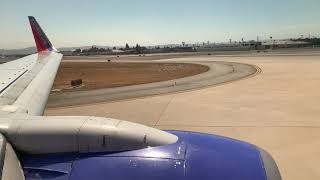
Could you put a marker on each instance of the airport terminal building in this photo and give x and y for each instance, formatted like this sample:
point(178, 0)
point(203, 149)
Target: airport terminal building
point(251, 45)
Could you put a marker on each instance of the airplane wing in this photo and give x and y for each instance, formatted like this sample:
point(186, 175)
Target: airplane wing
point(25, 84)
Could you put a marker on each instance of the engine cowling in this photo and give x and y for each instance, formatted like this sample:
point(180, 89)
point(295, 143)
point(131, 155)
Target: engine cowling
point(45, 135)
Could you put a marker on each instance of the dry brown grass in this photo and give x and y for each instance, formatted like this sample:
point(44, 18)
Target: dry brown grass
point(98, 75)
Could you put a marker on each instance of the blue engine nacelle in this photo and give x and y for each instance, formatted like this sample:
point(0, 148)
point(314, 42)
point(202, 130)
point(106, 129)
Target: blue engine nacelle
point(194, 156)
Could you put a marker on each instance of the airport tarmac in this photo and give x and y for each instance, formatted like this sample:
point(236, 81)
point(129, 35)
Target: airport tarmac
point(278, 110)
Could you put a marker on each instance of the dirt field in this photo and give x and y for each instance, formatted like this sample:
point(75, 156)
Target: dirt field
point(98, 75)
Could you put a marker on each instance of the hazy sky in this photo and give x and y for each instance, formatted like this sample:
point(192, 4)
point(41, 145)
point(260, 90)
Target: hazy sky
point(148, 22)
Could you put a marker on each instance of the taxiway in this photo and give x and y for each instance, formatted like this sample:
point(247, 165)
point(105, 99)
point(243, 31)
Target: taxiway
point(278, 110)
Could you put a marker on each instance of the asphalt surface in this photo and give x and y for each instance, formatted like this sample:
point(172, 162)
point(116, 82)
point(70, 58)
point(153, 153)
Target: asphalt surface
point(277, 110)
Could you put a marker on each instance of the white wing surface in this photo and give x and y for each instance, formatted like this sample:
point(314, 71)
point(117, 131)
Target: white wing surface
point(25, 84)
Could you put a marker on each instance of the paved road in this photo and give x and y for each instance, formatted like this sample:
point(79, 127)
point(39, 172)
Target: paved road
point(219, 72)
point(278, 110)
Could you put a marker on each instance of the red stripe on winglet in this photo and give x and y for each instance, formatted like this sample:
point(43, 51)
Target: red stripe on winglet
point(36, 35)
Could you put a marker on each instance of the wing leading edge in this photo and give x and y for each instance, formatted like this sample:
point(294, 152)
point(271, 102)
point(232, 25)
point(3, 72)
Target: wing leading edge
point(25, 84)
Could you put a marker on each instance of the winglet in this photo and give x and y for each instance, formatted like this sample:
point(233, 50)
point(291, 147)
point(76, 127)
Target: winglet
point(42, 41)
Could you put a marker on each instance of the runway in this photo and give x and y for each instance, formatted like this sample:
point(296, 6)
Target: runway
point(278, 110)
